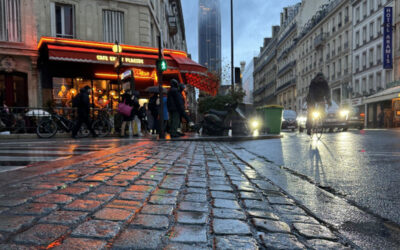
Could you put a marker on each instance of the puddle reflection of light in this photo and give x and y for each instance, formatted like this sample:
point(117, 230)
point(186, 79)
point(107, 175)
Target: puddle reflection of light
point(256, 133)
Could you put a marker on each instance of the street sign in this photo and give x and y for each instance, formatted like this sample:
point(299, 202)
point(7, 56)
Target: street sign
point(126, 74)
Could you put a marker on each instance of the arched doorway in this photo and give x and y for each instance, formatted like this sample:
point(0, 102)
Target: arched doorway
point(14, 89)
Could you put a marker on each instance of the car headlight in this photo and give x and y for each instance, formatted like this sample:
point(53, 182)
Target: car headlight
point(316, 114)
point(301, 119)
point(344, 112)
point(255, 124)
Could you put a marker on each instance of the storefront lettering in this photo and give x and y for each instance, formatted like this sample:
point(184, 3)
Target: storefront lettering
point(106, 58)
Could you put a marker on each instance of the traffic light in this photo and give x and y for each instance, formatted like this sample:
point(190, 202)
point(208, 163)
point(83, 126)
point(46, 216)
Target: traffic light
point(162, 64)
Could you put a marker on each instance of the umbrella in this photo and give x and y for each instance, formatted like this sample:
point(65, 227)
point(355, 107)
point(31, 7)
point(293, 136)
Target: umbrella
point(154, 89)
point(37, 112)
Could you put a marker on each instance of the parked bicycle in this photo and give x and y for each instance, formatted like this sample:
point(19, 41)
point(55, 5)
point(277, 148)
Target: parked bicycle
point(49, 126)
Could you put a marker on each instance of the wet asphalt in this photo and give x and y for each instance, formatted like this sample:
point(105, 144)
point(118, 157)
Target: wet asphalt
point(350, 180)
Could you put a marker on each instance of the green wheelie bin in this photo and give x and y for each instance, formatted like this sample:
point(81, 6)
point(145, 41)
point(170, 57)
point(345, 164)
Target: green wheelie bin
point(272, 118)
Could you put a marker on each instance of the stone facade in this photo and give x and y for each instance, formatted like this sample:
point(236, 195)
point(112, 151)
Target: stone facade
point(18, 57)
point(265, 72)
point(324, 45)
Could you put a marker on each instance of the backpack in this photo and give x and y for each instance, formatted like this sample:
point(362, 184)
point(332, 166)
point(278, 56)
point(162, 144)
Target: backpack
point(76, 101)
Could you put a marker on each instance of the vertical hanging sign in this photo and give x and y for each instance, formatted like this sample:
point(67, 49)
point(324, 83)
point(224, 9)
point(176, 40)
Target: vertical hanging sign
point(388, 38)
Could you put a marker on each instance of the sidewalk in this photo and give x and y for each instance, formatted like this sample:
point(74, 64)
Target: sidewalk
point(156, 195)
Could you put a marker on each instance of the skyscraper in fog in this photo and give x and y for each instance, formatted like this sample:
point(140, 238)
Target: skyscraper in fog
point(210, 35)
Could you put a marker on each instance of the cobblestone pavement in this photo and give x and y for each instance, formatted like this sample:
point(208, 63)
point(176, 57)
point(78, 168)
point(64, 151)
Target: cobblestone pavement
point(166, 195)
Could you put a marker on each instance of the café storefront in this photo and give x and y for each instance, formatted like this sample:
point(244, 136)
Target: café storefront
point(67, 65)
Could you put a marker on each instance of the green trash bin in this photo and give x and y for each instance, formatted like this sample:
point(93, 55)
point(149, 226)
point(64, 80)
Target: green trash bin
point(272, 118)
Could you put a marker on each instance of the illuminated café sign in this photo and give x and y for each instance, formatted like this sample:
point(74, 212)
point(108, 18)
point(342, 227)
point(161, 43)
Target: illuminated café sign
point(387, 38)
point(106, 58)
point(126, 74)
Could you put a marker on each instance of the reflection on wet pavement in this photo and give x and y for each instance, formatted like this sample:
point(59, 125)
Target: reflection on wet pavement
point(18, 154)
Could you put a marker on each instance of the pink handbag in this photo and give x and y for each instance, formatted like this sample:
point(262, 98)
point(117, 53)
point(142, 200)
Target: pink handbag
point(124, 109)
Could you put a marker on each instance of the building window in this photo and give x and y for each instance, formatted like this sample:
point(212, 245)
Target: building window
point(357, 39)
point(371, 30)
point(357, 63)
point(364, 34)
point(357, 86)
point(379, 53)
point(10, 20)
point(364, 9)
point(358, 14)
point(388, 76)
point(364, 85)
point(378, 80)
point(371, 56)
point(113, 26)
point(63, 20)
point(364, 59)
point(379, 25)
point(371, 82)
point(371, 5)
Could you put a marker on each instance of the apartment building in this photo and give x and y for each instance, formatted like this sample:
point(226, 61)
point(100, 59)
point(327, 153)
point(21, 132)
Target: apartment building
point(265, 72)
point(369, 74)
point(18, 54)
point(324, 45)
point(286, 58)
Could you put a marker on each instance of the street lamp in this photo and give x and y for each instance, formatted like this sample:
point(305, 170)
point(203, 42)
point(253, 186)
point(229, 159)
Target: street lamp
point(117, 49)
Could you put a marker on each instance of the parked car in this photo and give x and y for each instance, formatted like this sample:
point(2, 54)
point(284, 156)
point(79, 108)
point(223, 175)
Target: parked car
point(356, 119)
point(289, 119)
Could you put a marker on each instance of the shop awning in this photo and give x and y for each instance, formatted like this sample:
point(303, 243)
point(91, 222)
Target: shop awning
point(386, 95)
point(72, 50)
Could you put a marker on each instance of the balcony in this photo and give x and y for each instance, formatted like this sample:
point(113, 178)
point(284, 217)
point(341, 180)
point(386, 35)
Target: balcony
point(286, 68)
point(172, 25)
point(319, 40)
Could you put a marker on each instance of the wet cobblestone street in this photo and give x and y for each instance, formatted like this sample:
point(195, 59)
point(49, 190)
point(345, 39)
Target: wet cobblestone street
point(171, 195)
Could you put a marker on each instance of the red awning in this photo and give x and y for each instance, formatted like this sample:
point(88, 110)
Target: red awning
point(73, 50)
point(187, 65)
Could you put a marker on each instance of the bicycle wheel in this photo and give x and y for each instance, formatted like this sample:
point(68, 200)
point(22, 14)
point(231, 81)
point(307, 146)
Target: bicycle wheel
point(46, 128)
point(102, 127)
point(317, 129)
point(83, 131)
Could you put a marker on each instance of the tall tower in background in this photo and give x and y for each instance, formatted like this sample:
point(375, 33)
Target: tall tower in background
point(210, 35)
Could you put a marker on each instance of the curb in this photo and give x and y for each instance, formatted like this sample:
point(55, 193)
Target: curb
point(205, 138)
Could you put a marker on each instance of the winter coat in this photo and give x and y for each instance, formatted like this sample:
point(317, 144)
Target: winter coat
point(84, 103)
point(175, 101)
point(318, 90)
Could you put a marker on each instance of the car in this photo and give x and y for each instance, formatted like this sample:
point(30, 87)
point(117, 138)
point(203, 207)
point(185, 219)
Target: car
point(289, 119)
point(355, 119)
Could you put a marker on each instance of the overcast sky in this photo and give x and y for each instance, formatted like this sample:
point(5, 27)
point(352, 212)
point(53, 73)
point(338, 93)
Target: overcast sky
point(252, 22)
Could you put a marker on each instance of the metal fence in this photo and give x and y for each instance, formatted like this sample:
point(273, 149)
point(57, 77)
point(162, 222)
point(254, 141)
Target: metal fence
point(20, 120)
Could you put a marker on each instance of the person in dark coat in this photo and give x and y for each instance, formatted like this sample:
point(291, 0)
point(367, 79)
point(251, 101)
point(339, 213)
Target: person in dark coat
point(153, 107)
point(83, 112)
point(174, 108)
point(318, 92)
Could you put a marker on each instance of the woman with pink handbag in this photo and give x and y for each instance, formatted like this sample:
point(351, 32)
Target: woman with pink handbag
point(125, 108)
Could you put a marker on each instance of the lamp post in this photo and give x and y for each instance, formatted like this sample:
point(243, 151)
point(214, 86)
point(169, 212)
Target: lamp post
point(117, 49)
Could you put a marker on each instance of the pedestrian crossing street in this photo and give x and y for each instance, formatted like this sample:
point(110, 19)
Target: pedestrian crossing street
point(17, 154)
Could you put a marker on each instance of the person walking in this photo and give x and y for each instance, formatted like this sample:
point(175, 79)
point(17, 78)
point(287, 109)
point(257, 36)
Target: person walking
point(143, 118)
point(126, 119)
point(135, 110)
point(83, 104)
point(176, 108)
point(153, 107)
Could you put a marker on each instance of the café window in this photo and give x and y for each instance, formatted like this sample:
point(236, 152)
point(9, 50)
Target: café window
point(113, 26)
point(104, 95)
point(10, 20)
point(63, 20)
